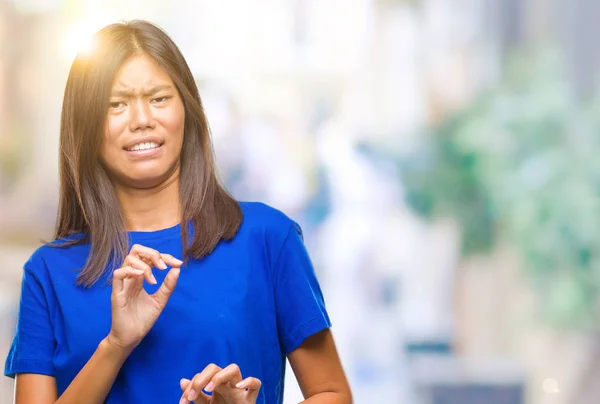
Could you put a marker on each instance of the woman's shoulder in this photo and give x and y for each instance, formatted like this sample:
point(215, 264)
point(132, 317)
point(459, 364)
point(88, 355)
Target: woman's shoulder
point(265, 224)
point(267, 220)
point(54, 252)
point(261, 214)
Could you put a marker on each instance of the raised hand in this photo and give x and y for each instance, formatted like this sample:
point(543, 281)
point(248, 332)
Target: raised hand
point(134, 311)
point(226, 385)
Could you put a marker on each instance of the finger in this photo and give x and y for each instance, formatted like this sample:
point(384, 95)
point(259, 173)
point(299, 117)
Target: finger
point(230, 375)
point(201, 399)
point(170, 260)
point(149, 254)
point(133, 261)
point(252, 386)
point(133, 284)
point(250, 383)
point(165, 290)
point(183, 383)
point(134, 278)
point(121, 274)
point(200, 381)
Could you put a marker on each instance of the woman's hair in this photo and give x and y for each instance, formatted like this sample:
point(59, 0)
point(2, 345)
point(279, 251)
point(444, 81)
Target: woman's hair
point(87, 203)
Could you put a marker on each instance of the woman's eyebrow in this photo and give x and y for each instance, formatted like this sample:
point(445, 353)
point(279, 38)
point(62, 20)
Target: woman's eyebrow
point(127, 92)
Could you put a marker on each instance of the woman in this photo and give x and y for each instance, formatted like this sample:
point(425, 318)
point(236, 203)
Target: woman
point(101, 320)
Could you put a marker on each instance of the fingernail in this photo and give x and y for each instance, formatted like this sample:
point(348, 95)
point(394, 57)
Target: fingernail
point(183, 401)
point(179, 261)
point(240, 384)
point(192, 395)
point(209, 387)
point(162, 264)
point(153, 279)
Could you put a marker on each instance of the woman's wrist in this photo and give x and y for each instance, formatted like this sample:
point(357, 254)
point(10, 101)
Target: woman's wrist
point(114, 350)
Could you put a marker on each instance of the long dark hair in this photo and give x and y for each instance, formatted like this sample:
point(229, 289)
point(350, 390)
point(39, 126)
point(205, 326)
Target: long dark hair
point(87, 203)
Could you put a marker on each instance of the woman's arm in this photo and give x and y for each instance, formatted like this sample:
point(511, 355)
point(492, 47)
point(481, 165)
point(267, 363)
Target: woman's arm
point(134, 312)
point(93, 381)
point(34, 388)
point(319, 371)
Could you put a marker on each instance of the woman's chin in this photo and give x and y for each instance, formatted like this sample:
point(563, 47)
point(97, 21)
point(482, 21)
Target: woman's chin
point(146, 180)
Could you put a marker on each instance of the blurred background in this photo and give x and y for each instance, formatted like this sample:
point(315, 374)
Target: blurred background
point(441, 156)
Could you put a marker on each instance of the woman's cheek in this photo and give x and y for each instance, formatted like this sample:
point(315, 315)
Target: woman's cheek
point(114, 127)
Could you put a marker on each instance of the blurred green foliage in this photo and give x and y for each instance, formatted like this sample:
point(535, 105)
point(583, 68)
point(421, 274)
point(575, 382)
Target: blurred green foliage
point(523, 164)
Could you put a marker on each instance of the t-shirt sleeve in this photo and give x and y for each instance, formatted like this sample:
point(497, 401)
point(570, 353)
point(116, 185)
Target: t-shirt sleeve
point(33, 344)
point(300, 306)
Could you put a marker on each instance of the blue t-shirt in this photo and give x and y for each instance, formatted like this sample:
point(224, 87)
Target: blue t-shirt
point(251, 301)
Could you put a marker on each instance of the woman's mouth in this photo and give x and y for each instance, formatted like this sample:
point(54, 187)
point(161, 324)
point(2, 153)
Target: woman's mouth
point(144, 146)
point(144, 149)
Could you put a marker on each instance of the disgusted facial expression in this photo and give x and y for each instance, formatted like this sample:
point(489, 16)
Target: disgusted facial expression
point(144, 128)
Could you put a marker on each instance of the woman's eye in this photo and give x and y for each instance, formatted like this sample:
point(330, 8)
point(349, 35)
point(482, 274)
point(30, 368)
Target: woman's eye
point(116, 104)
point(160, 99)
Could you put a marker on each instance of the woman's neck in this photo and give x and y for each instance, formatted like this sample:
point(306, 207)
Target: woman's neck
point(151, 209)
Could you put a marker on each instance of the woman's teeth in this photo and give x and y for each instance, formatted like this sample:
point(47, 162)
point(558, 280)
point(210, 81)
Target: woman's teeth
point(144, 146)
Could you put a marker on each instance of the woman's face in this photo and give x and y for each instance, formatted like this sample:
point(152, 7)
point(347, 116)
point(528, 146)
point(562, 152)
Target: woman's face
point(144, 125)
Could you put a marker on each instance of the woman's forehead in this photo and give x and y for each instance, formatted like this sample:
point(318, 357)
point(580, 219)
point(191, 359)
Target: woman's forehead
point(141, 73)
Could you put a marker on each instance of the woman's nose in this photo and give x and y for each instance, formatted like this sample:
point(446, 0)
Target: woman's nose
point(141, 116)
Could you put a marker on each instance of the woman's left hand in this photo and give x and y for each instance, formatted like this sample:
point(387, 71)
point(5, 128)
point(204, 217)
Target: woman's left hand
point(226, 386)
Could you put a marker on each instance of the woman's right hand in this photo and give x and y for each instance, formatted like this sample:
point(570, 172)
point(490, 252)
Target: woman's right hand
point(134, 311)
